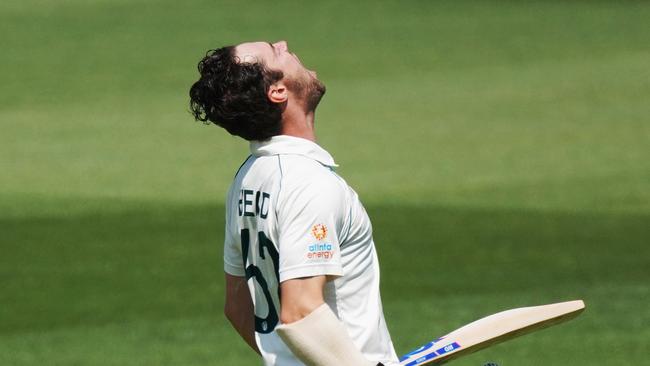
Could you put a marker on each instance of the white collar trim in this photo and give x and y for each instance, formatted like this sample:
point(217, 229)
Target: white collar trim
point(290, 145)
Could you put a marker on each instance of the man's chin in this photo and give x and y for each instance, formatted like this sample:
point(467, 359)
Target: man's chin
point(315, 93)
point(309, 89)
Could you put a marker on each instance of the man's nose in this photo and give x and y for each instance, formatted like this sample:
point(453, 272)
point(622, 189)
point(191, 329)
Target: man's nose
point(282, 45)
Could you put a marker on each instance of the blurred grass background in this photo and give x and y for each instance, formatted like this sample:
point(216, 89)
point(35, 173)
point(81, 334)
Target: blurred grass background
point(500, 147)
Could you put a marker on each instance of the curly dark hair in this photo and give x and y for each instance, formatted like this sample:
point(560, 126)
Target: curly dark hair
point(233, 95)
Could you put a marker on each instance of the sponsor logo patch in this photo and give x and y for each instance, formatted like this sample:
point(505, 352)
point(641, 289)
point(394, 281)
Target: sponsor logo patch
point(319, 231)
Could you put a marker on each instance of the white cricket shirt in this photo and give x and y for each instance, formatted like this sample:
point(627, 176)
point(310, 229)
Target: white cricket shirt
point(289, 215)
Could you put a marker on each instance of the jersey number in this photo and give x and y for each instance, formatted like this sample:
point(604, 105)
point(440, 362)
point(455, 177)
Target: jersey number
point(262, 325)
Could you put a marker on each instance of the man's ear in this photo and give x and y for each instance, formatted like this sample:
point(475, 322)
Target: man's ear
point(278, 93)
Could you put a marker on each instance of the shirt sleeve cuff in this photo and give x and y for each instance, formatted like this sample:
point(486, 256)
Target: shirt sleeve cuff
point(310, 270)
point(234, 270)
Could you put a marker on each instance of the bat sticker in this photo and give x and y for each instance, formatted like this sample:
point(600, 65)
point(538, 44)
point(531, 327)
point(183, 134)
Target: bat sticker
point(433, 354)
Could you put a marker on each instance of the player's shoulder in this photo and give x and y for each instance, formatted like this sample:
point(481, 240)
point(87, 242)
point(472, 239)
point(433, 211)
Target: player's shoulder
point(258, 170)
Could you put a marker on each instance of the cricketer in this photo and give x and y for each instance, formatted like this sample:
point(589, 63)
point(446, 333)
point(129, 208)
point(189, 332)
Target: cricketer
point(301, 268)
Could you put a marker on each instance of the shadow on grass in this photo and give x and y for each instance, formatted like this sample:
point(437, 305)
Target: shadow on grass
point(157, 261)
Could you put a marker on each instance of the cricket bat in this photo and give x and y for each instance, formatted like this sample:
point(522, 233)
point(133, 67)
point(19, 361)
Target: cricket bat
point(491, 330)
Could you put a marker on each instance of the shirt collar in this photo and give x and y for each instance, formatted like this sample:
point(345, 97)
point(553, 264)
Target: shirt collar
point(283, 145)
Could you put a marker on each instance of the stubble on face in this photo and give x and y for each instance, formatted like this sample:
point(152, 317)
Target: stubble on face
point(309, 90)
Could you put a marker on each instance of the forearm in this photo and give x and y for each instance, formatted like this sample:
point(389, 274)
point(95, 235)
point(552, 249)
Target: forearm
point(244, 324)
point(239, 309)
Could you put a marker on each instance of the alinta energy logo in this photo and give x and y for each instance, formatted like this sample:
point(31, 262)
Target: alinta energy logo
point(320, 251)
point(319, 231)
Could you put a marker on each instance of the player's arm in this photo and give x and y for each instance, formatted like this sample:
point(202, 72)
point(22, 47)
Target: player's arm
point(301, 296)
point(239, 309)
point(311, 330)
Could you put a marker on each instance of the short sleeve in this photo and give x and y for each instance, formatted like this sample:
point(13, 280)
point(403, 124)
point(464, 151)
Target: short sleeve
point(309, 220)
point(233, 262)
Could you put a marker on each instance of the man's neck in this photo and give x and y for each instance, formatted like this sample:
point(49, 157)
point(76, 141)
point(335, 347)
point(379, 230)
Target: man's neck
point(298, 123)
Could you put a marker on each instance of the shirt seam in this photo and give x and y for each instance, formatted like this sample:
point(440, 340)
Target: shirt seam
point(277, 205)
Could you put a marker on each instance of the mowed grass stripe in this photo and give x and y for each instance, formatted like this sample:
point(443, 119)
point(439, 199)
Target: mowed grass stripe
point(167, 258)
point(131, 279)
point(473, 131)
point(144, 46)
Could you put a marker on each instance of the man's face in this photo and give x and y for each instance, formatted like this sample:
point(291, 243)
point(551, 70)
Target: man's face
point(276, 56)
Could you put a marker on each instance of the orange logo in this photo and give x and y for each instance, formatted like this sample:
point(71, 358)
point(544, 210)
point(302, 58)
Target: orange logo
point(319, 231)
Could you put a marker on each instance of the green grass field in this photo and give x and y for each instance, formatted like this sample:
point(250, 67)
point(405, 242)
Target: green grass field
point(502, 150)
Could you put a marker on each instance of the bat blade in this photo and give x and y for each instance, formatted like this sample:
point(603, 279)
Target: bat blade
point(491, 330)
